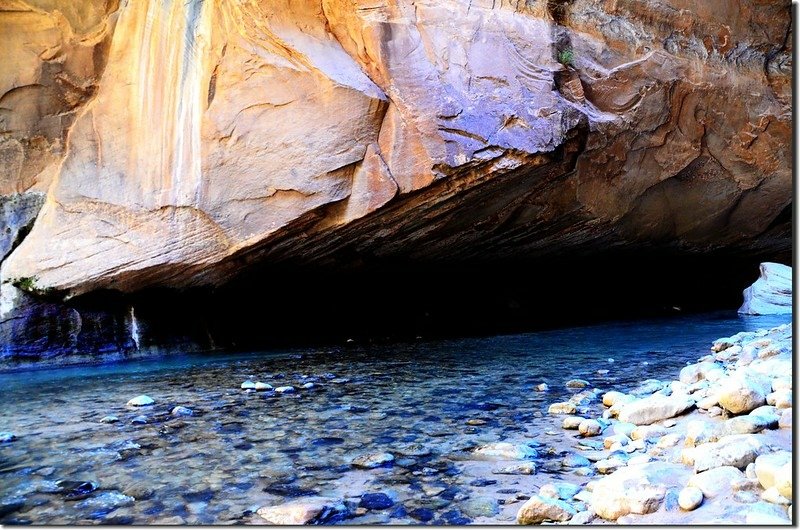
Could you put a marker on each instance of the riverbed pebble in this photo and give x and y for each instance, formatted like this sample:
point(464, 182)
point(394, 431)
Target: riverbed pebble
point(259, 386)
point(690, 498)
point(248, 385)
point(285, 389)
point(7, 437)
point(141, 401)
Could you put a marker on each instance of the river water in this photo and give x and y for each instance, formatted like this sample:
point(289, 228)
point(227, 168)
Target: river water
point(427, 403)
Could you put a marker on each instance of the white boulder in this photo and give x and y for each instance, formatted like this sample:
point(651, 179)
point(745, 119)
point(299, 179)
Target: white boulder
point(771, 294)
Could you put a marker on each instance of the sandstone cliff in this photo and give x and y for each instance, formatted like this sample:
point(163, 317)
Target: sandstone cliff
point(179, 142)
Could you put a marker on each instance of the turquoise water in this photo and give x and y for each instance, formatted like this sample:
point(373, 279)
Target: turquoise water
point(428, 403)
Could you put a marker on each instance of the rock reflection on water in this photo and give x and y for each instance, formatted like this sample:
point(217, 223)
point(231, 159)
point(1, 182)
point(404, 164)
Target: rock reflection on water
point(426, 404)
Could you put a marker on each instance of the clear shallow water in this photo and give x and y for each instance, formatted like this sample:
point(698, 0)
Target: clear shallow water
point(240, 451)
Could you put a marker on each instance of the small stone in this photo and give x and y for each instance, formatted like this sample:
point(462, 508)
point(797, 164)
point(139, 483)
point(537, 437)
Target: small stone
point(476, 421)
point(139, 420)
point(563, 407)
point(542, 387)
point(376, 501)
point(584, 517)
point(620, 439)
point(7, 437)
point(577, 383)
point(590, 428)
point(299, 512)
point(373, 460)
point(285, 390)
point(109, 419)
point(571, 422)
point(141, 401)
point(480, 507)
point(108, 500)
point(259, 386)
point(690, 498)
point(248, 385)
point(182, 411)
point(308, 386)
point(537, 510)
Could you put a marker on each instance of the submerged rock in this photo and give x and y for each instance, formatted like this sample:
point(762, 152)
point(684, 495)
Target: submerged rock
point(7, 437)
point(376, 501)
point(506, 451)
point(182, 411)
point(141, 401)
point(373, 460)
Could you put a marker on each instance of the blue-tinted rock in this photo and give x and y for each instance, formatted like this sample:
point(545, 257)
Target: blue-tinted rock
point(376, 501)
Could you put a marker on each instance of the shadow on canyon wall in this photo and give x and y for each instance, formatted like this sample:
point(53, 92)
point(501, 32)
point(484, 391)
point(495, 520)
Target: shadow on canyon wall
point(297, 307)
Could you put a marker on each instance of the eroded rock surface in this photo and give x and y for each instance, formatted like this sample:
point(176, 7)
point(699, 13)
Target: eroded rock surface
point(205, 136)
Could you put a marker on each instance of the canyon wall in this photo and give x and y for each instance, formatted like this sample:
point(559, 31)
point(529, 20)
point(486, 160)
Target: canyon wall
point(175, 144)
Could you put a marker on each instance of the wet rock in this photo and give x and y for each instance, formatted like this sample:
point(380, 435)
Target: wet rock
point(308, 386)
point(182, 411)
point(590, 428)
point(248, 385)
point(647, 387)
point(480, 507)
point(373, 460)
point(261, 387)
point(139, 420)
point(106, 502)
point(717, 482)
point(690, 498)
point(306, 511)
point(141, 401)
point(7, 437)
point(139, 491)
point(737, 451)
point(285, 390)
point(655, 408)
point(506, 451)
point(571, 422)
point(75, 490)
point(577, 383)
point(542, 387)
point(376, 501)
point(109, 419)
point(527, 468)
point(562, 407)
point(421, 514)
point(537, 510)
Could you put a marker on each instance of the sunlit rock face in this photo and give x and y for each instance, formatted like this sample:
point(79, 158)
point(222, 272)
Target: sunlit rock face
point(181, 141)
